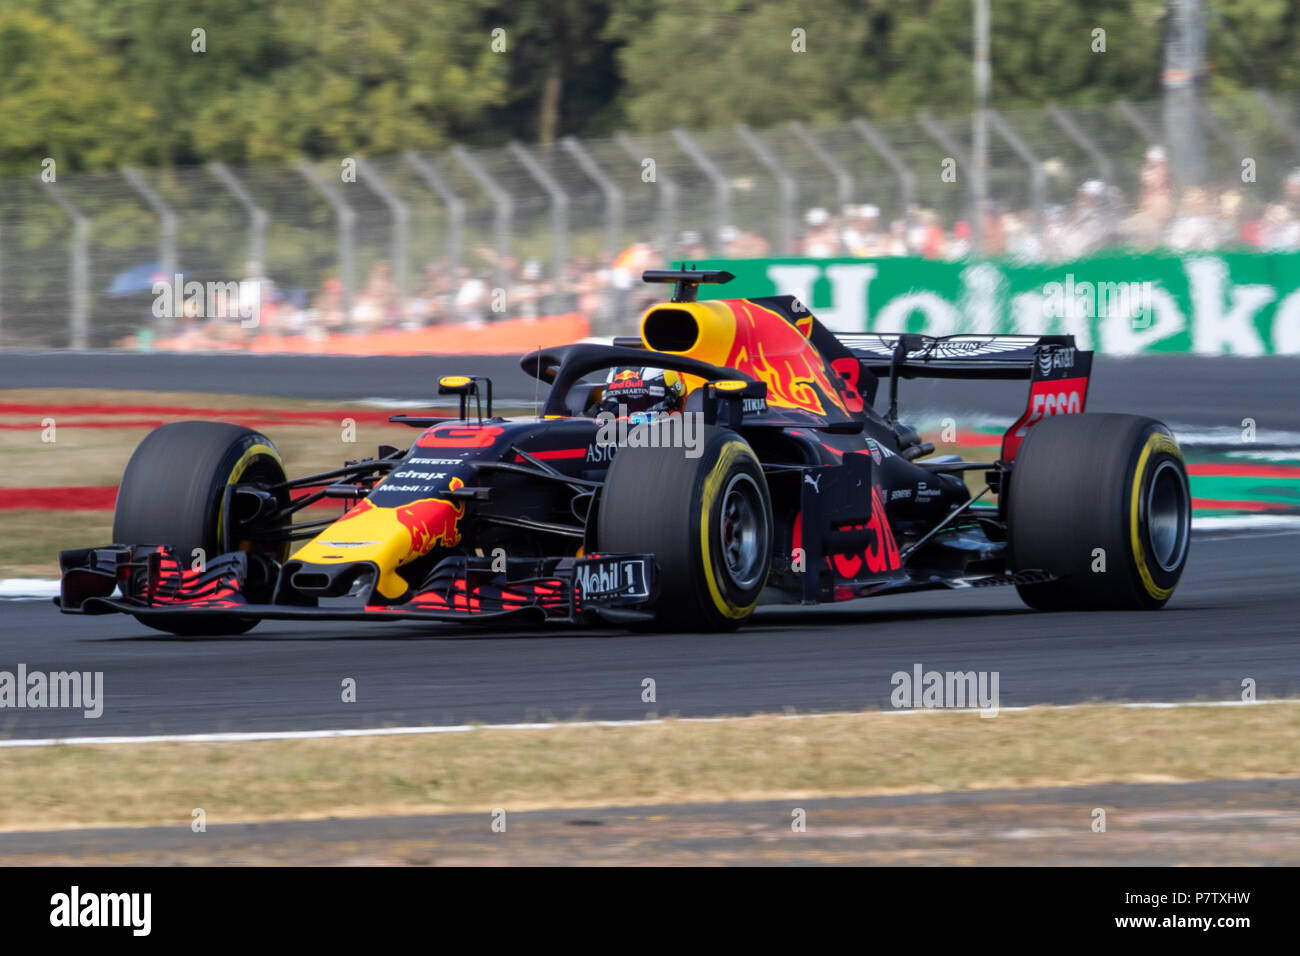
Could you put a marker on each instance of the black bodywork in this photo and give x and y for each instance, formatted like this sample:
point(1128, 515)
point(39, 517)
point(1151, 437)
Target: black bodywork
point(858, 506)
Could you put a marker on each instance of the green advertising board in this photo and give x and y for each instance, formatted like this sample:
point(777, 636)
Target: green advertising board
point(1207, 304)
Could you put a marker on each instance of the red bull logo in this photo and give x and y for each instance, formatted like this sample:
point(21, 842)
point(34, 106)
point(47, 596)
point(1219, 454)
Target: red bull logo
point(769, 348)
point(432, 522)
point(627, 378)
point(879, 558)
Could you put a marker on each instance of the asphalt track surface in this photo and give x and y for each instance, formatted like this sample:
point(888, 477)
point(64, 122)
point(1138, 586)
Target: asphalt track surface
point(1172, 388)
point(1232, 618)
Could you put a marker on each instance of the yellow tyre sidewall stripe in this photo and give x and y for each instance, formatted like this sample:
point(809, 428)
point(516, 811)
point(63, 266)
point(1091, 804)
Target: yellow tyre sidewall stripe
point(731, 451)
point(1156, 442)
point(237, 472)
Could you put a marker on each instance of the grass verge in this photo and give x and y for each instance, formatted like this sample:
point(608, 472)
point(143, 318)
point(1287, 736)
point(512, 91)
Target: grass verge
point(30, 540)
point(82, 456)
point(765, 757)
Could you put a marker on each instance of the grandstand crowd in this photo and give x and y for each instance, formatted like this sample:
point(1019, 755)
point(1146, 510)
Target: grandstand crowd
point(1099, 217)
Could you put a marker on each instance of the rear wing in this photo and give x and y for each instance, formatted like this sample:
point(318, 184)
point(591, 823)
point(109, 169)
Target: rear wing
point(1058, 372)
point(954, 356)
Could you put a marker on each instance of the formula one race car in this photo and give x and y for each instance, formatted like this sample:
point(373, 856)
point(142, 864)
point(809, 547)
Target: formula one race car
point(728, 456)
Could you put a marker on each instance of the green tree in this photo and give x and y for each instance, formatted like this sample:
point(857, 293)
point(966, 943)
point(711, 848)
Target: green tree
point(711, 62)
point(319, 77)
point(563, 72)
point(64, 99)
point(1253, 43)
point(100, 85)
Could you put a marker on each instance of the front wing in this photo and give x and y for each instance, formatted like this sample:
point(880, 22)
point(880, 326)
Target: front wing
point(149, 582)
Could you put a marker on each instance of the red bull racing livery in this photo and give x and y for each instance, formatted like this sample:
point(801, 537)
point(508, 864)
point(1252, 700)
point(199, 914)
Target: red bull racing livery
point(730, 455)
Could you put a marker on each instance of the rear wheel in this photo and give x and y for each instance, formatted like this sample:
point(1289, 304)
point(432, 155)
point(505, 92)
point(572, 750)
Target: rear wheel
point(173, 493)
point(707, 520)
point(1101, 501)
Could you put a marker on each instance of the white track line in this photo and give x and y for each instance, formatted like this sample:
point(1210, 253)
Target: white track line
point(28, 588)
point(262, 735)
point(1245, 522)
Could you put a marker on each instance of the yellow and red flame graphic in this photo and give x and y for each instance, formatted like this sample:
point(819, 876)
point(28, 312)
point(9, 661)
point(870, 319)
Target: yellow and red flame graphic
point(769, 348)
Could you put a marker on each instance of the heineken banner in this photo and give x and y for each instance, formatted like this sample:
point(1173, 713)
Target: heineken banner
point(1207, 304)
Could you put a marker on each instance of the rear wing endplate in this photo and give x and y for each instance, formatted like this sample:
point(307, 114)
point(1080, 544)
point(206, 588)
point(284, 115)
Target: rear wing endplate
point(1058, 371)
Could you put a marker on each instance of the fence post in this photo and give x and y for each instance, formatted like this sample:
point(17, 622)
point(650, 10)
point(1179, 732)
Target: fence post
point(906, 178)
point(347, 218)
point(613, 210)
point(79, 269)
point(613, 195)
point(1037, 178)
point(505, 207)
point(979, 167)
point(258, 217)
point(945, 139)
point(1105, 167)
point(401, 214)
point(1134, 119)
point(843, 180)
point(785, 185)
point(667, 193)
point(166, 235)
point(559, 209)
point(455, 207)
point(721, 186)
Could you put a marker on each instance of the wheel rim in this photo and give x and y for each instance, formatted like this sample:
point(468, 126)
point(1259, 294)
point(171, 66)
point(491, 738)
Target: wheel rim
point(743, 532)
point(1167, 516)
point(262, 472)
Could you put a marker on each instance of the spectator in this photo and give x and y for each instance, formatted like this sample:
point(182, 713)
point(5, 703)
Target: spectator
point(526, 294)
point(819, 241)
point(1089, 224)
point(471, 302)
point(1193, 229)
point(861, 233)
point(1146, 227)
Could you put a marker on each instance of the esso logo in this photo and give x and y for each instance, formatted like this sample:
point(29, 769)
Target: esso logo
point(1055, 403)
point(1062, 397)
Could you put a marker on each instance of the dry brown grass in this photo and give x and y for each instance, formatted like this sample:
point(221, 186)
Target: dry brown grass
point(98, 456)
point(767, 757)
point(30, 540)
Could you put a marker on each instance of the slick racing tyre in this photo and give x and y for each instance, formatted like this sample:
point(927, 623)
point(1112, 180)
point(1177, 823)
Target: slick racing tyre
point(172, 493)
point(707, 520)
point(1102, 502)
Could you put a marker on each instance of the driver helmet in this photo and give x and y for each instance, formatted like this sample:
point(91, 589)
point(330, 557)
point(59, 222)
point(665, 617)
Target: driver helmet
point(642, 392)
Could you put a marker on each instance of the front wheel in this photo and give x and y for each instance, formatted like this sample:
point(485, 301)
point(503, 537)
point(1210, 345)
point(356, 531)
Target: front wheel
point(173, 493)
point(707, 520)
point(1100, 501)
